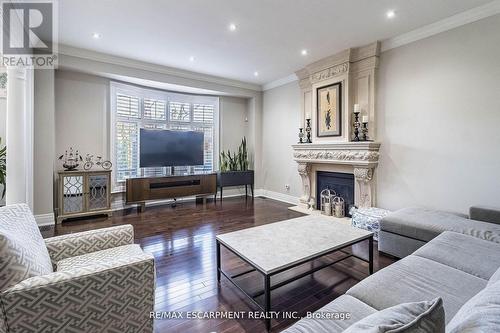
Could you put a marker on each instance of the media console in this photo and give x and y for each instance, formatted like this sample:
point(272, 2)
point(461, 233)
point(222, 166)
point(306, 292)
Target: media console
point(140, 190)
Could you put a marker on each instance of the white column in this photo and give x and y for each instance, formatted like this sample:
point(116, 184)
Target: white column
point(19, 137)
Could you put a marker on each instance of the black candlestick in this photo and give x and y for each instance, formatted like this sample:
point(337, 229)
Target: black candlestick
point(356, 126)
point(308, 131)
point(365, 132)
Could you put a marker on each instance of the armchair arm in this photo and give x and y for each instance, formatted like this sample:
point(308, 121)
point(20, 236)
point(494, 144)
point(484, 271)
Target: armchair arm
point(116, 296)
point(70, 245)
point(485, 214)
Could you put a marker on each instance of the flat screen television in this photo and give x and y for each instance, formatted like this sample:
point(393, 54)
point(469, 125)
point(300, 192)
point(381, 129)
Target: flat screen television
point(166, 148)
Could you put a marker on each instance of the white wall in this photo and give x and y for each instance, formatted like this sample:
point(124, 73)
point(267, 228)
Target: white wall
point(44, 143)
point(81, 103)
point(233, 127)
point(82, 116)
point(280, 127)
point(438, 116)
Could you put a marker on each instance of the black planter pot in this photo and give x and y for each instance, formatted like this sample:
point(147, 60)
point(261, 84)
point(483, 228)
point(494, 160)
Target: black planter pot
point(235, 178)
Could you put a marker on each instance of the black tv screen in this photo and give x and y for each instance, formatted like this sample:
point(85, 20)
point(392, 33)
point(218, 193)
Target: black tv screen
point(164, 148)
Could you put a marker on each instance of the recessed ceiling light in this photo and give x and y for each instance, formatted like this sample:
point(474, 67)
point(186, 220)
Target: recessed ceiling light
point(96, 35)
point(232, 27)
point(303, 52)
point(255, 73)
point(390, 14)
point(191, 58)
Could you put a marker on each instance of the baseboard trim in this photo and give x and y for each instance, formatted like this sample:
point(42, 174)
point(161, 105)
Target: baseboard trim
point(277, 196)
point(45, 219)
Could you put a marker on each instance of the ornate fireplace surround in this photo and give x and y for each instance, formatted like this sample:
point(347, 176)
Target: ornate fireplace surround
point(356, 68)
point(358, 158)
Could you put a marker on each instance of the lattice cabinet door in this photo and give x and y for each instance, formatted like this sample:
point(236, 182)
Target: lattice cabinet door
point(73, 194)
point(83, 193)
point(98, 191)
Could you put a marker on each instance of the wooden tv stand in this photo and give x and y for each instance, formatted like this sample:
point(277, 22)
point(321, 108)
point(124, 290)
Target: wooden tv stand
point(140, 190)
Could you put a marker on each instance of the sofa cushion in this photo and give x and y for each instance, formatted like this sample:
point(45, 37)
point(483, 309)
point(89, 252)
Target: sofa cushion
point(415, 279)
point(480, 314)
point(98, 257)
point(466, 253)
point(425, 224)
point(343, 304)
point(22, 250)
point(417, 317)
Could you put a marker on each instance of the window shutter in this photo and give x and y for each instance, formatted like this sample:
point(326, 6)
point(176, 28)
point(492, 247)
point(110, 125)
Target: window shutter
point(127, 106)
point(127, 134)
point(203, 113)
point(136, 109)
point(155, 109)
point(208, 149)
point(179, 111)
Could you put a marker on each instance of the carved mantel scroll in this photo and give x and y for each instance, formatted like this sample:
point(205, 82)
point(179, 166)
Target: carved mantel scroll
point(362, 156)
point(363, 189)
point(304, 171)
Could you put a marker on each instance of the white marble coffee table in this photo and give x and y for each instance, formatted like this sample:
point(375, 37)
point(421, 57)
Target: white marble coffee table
point(274, 248)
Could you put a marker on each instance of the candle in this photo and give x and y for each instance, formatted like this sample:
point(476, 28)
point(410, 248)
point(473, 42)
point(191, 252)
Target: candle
point(364, 119)
point(308, 115)
point(357, 108)
point(327, 207)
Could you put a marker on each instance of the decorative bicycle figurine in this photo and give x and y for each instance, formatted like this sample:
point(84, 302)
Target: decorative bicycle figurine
point(89, 162)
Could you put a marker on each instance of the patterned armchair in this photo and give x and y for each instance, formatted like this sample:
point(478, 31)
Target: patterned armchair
point(95, 281)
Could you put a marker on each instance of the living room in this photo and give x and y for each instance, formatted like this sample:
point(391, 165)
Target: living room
point(242, 166)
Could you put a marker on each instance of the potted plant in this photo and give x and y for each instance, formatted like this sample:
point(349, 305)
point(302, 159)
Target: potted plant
point(234, 169)
point(3, 167)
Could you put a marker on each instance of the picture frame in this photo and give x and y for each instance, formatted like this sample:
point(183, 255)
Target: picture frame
point(329, 110)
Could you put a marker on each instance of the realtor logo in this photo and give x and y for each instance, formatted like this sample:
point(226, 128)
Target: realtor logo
point(29, 34)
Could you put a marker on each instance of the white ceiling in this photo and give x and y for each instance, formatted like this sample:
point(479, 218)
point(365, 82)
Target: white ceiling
point(269, 37)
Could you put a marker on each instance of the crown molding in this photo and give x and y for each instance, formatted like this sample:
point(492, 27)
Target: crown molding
point(280, 82)
point(137, 64)
point(455, 21)
point(452, 22)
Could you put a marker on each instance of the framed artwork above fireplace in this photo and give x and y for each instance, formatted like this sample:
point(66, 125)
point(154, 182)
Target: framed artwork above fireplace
point(329, 110)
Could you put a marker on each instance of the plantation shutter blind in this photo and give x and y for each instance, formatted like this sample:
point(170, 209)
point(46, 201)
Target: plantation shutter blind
point(127, 106)
point(127, 134)
point(137, 108)
point(203, 117)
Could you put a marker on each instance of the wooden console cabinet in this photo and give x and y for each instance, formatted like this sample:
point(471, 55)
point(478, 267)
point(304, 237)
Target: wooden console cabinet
point(140, 190)
point(83, 193)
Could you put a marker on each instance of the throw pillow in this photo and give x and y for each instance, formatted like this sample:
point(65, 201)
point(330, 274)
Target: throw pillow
point(417, 317)
point(479, 314)
point(23, 253)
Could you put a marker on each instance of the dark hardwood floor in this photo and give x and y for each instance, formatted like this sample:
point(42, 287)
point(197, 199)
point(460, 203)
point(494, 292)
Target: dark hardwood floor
point(182, 240)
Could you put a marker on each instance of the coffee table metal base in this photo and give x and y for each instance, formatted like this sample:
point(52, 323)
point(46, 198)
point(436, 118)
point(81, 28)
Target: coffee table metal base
point(267, 276)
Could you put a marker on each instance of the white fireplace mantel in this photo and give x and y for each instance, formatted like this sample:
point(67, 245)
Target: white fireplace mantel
point(360, 158)
point(362, 153)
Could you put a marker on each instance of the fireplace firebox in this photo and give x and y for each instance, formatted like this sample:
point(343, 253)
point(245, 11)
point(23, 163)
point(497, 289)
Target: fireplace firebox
point(341, 183)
